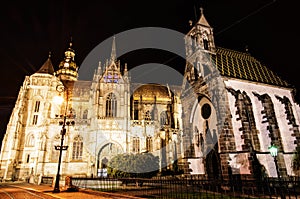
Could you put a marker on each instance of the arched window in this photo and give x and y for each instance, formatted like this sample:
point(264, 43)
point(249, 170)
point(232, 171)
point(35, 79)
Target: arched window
point(85, 113)
point(30, 140)
point(77, 148)
point(136, 144)
point(205, 41)
point(163, 118)
point(205, 44)
point(43, 143)
point(111, 105)
point(149, 144)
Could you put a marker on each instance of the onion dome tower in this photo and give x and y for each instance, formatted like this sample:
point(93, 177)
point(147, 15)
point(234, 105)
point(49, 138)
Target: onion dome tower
point(68, 70)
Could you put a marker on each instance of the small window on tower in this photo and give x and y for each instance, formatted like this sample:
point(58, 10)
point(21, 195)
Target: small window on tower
point(27, 158)
point(37, 106)
point(34, 121)
point(205, 44)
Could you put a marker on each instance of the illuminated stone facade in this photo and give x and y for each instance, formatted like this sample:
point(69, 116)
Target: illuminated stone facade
point(219, 122)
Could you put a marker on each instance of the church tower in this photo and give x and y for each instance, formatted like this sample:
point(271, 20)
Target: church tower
point(24, 146)
point(203, 101)
point(199, 42)
point(68, 70)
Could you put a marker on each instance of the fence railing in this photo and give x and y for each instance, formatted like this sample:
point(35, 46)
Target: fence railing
point(173, 187)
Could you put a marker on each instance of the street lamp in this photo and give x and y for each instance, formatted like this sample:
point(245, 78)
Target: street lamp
point(61, 147)
point(274, 152)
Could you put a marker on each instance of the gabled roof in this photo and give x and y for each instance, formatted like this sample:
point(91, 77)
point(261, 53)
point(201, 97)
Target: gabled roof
point(242, 65)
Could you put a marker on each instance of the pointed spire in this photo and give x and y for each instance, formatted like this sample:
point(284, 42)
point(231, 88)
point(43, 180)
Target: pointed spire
point(202, 19)
point(47, 67)
point(113, 54)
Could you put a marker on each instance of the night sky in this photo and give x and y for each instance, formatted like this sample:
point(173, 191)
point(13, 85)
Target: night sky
point(32, 29)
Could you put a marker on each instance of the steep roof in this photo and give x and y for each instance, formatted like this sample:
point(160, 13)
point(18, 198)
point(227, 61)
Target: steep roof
point(47, 67)
point(241, 65)
point(202, 19)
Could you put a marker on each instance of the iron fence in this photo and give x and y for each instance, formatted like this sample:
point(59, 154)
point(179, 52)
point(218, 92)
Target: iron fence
point(193, 187)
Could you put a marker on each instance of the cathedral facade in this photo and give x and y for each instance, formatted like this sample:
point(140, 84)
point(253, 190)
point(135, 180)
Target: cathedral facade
point(221, 121)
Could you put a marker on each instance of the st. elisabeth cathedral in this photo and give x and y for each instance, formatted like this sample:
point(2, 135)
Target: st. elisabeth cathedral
point(222, 120)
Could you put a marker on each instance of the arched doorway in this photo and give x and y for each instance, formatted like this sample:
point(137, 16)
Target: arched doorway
point(212, 162)
point(106, 153)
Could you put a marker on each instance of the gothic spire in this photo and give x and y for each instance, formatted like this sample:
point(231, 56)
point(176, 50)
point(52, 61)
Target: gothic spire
point(113, 55)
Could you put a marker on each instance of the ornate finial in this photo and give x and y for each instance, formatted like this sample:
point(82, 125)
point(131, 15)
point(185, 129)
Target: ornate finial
point(201, 10)
point(49, 54)
point(246, 49)
point(71, 41)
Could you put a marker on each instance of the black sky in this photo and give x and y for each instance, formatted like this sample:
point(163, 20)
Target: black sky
point(30, 29)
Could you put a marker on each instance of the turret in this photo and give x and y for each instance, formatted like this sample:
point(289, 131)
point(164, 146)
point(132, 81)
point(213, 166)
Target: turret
point(68, 70)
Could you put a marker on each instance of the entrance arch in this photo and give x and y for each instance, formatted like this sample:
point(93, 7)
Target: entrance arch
point(212, 160)
point(105, 154)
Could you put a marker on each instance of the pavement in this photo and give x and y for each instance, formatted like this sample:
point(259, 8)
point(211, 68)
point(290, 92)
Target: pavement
point(65, 194)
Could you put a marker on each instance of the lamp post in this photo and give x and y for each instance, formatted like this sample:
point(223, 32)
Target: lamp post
point(61, 147)
point(274, 152)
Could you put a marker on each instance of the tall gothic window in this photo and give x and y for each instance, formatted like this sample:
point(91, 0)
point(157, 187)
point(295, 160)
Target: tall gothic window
point(136, 144)
point(163, 118)
point(43, 143)
point(111, 105)
point(30, 141)
point(77, 148)
point(85, 113)
point(149, 144)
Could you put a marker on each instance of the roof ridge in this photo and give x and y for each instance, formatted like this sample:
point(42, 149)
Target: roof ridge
point(236, 53)
point(242, 65)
